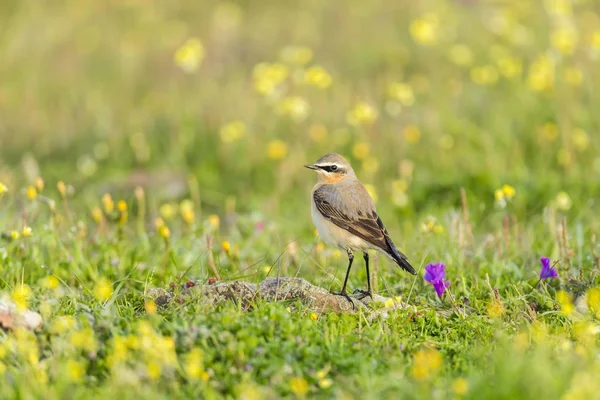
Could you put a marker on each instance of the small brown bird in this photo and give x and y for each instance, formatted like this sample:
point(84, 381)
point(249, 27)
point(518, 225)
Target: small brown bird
point(345, 216)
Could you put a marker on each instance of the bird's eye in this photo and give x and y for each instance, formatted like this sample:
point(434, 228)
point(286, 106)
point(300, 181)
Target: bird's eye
point(334, 167)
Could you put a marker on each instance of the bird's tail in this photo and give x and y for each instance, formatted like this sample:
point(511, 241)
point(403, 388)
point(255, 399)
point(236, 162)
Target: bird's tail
point(399, 257)
point(394, 253)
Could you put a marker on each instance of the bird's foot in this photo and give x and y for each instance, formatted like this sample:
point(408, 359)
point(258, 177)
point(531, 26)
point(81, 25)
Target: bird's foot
point(363, 294)
point(344, 294)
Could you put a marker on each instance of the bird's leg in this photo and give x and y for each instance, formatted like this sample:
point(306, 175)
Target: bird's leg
point(343, 292)
point(367, 292)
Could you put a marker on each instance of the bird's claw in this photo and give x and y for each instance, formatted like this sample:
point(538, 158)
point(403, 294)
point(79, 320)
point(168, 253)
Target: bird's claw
point(363, 293)
point(345, 295)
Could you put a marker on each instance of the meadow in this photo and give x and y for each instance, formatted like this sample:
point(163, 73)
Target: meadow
point(149, 144)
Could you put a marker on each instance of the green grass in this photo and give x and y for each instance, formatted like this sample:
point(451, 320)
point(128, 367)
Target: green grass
point(491, 94)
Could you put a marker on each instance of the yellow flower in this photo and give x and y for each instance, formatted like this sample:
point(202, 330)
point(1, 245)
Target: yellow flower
point(595, 39)
point(499, 197)
point(401, 92)
point(3, 189)
point(232, 131)
point(319, 248)
point(317, 76)
point(431, 226)
point(400, 185)
point(362, 114)
point(75, 370)
point(370, 165)
point(412, 134)
point(109, 204)
point(63, 324)
point(372, 192)
point(103, 290)
point(573, 76)
point(97, 214)
point(425, 29)
point(564, 40)
point(566, 305)
point(361, 150)
point(39, 184)
point(295, 107)
point(123, 217)
point(27, 231)
point(267, 77)
point(51, 282)
point(563, 201)
point(484, 75)
point(317, 132)
point(296, 55)
point(400, 199)
point(62, 189)
point(495, 308)
point(548, 132)
point(168, 211)
point(277, 150)
point(150, 307)
point(190, 55)
point(122, 206)
point(593, 300)
point(83, 340)
point(581, 139)
point(541, 74)
point(584, 332)
point(21, 295)
point(214, 221)
point(510, 67)
point(325, 383)
point(389, 303)
point(31, 193)
point(460, 386)
point(313, 316)
point(426, 363)
point(193, 365)
point(226, 246)
point(299, 386)
point(14, 235)
point(154, 370)
point(186, 208)
point(509, 191)
point(164, 231)
point(461, 55)
point(322, 373)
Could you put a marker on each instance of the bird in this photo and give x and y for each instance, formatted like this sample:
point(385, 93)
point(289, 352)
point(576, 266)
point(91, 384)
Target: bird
point(345, 216)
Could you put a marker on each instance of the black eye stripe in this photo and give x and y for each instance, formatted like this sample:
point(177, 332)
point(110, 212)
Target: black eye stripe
point(331, 168)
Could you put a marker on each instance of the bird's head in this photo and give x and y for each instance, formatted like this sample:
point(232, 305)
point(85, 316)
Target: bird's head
point(332, 168)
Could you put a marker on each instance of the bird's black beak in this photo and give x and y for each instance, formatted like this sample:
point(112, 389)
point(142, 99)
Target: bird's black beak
point(311, 166)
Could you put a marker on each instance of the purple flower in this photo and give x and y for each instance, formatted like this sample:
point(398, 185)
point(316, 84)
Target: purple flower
point(547, 271)
point(435, 274)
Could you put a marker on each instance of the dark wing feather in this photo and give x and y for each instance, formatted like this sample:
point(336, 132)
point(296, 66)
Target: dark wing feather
point(366, 225)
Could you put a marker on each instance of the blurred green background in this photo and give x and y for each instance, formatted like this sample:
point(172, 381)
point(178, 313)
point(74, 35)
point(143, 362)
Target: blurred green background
point(232, 98)
point(171, 136)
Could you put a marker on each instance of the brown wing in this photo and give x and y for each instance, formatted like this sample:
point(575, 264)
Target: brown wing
point(365, 224)
point(361, 220)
